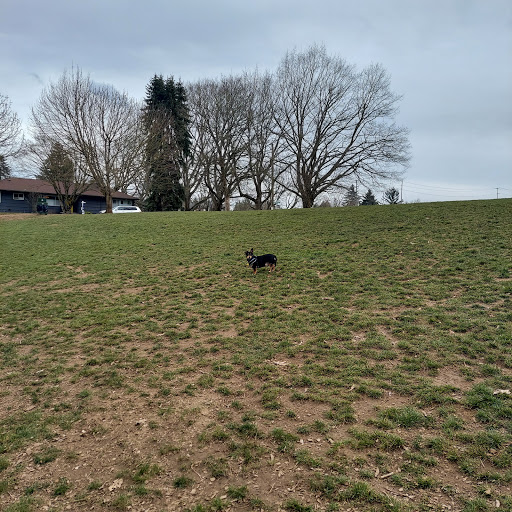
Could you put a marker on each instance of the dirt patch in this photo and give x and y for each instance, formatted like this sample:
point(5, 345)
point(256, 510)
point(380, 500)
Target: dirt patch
point(131, 446)
point(450, 376)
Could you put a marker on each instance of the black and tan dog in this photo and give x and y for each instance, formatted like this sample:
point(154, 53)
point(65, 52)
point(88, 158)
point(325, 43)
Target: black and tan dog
point(256, 262)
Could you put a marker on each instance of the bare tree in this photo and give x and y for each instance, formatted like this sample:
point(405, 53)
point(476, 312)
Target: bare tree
point(96, 125)
point(32, 198)
point(391, 196)
point(192, 180)
point(11, 137)
point(219, 109)
point(262, 149)
point(336, 124)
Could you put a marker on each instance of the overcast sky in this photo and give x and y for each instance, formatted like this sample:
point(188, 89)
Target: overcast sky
point(450, 59)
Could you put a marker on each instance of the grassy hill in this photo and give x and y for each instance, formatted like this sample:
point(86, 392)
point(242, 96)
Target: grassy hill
point(144, 367)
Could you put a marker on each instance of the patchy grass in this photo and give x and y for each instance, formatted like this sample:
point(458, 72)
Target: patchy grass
point(143, 365)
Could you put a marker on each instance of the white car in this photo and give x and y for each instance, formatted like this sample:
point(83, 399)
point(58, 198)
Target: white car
point(124, 209)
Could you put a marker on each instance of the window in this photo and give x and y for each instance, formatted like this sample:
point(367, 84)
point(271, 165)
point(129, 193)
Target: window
point(18, 196)
point(52, 201)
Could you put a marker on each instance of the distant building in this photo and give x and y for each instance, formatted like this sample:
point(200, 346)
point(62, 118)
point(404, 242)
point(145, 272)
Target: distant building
point(20, 195)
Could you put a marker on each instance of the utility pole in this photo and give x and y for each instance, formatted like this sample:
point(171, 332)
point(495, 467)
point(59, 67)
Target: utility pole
point(272, 205)
point(497, 189)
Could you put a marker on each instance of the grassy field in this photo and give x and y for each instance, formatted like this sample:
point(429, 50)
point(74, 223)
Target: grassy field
point(144, 367)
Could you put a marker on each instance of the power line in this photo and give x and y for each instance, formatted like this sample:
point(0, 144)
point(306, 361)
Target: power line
point(409, 190)
point(445, 188)
point(436, 187)
point(473, 193)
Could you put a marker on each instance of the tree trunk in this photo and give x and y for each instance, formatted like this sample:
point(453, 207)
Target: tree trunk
point(307, 201)
point(108, 200)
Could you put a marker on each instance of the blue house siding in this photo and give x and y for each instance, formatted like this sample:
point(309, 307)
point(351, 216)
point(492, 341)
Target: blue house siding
point(92, 204)
point(97, 204)
point(9, 204)
point(19, 195)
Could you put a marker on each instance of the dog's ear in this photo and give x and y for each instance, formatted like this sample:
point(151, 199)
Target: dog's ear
point(252, 250)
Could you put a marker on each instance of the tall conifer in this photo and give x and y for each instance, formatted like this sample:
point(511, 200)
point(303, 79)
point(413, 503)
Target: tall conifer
point(5, 170)
point(167, 121)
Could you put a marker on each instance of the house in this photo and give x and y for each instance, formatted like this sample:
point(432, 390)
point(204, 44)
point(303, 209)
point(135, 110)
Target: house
point(20, 195)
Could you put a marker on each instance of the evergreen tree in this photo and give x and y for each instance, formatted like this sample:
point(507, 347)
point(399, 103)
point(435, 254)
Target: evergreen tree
point(58, 166)
point(351, 197)
point(59, 170)
point(167, 121)
point(368, 199)
point(5, 170)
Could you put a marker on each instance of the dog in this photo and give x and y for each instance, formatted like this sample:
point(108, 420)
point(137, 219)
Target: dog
point(256, 262)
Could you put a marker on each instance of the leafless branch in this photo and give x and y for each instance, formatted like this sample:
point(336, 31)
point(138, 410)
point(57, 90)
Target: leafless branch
point(95, 123)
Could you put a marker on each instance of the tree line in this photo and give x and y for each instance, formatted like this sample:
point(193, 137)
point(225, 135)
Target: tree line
point(314, 126)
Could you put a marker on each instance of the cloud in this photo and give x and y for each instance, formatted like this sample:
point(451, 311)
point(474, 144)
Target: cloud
point(37, 78)
point(448, 58)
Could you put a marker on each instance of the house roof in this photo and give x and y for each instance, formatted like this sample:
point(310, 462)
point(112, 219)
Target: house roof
point(43, 187)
